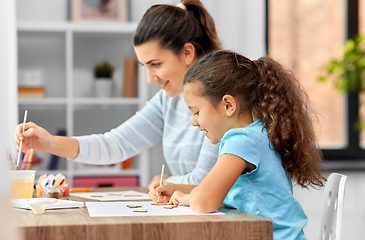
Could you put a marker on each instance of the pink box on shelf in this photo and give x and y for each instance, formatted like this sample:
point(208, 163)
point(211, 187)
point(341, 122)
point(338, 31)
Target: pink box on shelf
point(117, 181)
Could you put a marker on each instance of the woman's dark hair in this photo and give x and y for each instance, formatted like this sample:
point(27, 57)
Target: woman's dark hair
point(274, 96)
point(174, 26)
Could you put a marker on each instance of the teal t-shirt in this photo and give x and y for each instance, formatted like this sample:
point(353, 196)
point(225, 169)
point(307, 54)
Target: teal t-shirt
point(267, 190)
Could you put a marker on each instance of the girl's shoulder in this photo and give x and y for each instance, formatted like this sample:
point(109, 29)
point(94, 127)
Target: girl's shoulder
point(254, 129)
point(252, 135)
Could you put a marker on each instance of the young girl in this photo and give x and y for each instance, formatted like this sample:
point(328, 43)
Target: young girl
point(168, 40)
point(257, 159)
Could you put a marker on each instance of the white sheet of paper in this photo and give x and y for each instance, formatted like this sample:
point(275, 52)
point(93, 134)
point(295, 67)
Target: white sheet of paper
point(129, 195)
point(120, 209)
point(24, 203)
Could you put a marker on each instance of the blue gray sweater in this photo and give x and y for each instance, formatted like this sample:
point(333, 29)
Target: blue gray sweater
point(188, 153)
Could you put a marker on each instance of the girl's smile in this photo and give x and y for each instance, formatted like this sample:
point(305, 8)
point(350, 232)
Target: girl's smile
point(216, 119)
point(205, 116)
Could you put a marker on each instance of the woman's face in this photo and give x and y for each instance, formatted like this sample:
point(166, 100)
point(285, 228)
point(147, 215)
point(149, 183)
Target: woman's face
point(163, 66)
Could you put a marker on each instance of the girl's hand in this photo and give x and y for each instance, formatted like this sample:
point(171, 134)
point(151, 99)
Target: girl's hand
point(179, 197)
point(166, 190)
point(154, 184)
point(33, 137)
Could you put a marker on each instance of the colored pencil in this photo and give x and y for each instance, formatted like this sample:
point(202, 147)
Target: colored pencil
point(81, 189)
point(25, 159)
point(30, 158)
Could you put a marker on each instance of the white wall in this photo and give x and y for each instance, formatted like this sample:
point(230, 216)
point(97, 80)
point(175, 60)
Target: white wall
point(8, 110)
point(8, 95)
point(240, 23)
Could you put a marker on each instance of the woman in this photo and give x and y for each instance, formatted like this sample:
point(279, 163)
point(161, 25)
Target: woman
point(168, 41)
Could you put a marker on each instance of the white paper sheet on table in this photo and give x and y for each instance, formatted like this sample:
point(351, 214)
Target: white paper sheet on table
point(129, 195)
point(120, 209)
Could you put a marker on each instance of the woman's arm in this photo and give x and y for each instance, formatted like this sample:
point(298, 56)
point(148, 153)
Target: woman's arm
point(207, 157)
point(140, 132)
point(41, 140)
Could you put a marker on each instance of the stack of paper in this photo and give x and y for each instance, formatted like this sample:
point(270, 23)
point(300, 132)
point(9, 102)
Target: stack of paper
point(24, 204)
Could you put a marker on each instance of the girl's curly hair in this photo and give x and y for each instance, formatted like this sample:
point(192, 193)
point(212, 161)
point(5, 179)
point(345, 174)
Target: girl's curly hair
point(273, 95)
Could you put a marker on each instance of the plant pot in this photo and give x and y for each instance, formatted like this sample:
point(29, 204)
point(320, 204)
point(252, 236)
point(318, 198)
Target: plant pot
point(103, 87)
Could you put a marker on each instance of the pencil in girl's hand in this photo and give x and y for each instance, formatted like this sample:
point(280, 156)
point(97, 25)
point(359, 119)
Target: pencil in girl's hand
point(159, 196)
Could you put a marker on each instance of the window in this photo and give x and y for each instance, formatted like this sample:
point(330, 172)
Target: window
point(303, 35)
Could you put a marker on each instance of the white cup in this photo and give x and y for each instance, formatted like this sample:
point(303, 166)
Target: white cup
point(22, 183)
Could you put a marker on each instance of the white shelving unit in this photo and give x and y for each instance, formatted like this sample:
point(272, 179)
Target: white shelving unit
point(65, 52)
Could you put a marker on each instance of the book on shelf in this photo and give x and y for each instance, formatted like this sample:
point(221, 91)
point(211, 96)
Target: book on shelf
point(54, 159)
point(130, 77)
point(98, 11)
point(30, 92)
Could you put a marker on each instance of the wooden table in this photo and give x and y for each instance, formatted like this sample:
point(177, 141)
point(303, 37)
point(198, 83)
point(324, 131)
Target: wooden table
point(70, 224)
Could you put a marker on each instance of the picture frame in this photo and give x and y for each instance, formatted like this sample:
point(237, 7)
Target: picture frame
point(99, 10)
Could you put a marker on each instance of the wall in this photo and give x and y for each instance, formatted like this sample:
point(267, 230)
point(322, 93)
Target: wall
point(8, 97)
point(8, 109)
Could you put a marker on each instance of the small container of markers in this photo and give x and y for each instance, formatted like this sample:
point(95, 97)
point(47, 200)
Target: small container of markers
point(52, 186)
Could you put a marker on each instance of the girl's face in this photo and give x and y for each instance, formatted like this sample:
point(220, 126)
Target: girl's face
point(212, 120)
point(165, 67)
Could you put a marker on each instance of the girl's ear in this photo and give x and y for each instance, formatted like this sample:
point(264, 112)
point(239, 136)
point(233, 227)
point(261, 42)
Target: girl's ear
point(230, 104)
point(189, 54)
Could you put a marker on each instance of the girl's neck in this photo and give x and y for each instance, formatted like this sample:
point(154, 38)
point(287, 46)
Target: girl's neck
point(243, 120)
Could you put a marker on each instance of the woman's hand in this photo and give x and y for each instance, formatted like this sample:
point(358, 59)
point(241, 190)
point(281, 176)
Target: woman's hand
point(179, 197)
point(33, 137)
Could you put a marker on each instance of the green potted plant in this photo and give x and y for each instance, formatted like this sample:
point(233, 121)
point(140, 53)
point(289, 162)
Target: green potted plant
point(103, 73)
point(348, 72)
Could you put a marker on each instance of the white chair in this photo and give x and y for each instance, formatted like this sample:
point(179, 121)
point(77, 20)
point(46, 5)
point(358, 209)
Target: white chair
point(332, 207)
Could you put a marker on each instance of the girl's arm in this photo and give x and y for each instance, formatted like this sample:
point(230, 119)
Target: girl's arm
point(208, 196)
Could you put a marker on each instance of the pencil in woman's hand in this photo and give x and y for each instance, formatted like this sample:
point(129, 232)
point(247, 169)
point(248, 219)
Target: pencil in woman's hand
point(21, 142)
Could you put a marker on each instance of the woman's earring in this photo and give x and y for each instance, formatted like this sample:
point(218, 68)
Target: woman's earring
point(228, 114)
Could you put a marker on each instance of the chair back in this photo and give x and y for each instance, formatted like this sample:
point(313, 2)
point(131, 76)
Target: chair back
point(332, 207)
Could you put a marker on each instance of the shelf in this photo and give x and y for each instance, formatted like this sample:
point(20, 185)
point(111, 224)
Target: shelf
point(107, 172)
point(43, 26)
point(108, 101)
point(54, 172)
point(65, 52)
point(102, 27)
point(42, 101)
point(96, 27)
